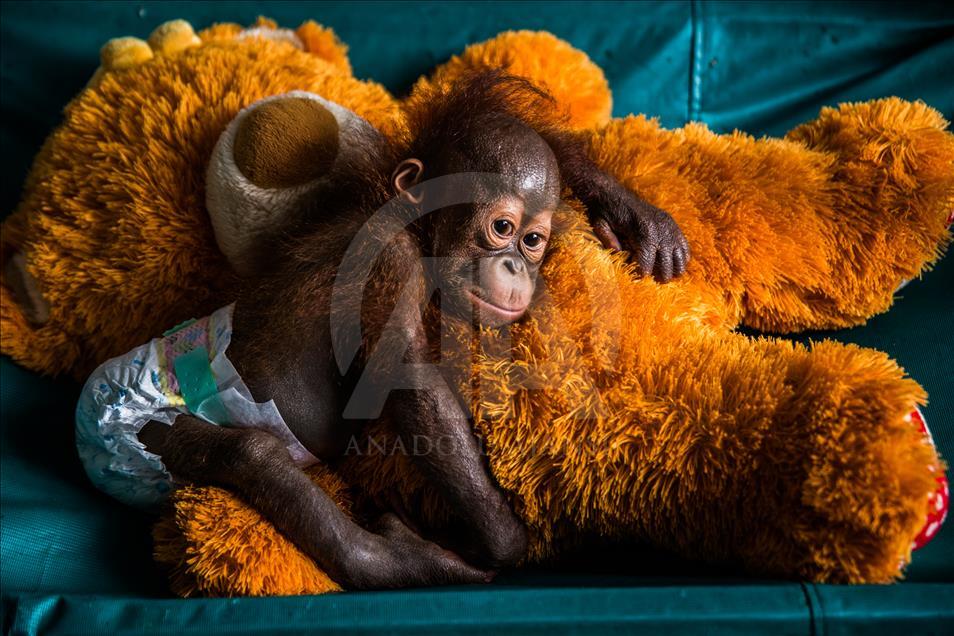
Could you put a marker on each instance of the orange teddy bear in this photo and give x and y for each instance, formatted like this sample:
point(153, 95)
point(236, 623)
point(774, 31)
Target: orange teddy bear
point(788, 460)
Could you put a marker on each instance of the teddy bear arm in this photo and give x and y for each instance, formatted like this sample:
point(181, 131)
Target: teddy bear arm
point(816, 231)
point(881, 195)
point(793, 462)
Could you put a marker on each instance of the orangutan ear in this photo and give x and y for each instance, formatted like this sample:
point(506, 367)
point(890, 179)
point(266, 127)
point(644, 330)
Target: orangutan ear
point(406, 176)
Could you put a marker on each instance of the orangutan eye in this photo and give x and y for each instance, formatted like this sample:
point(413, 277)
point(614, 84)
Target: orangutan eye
point(503, 227)
point(533, 240)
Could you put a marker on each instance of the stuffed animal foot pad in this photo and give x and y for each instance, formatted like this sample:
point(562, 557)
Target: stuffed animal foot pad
point(274, 153)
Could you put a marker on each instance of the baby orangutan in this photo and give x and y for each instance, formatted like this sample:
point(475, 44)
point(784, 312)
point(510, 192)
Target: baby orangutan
point(346, 327)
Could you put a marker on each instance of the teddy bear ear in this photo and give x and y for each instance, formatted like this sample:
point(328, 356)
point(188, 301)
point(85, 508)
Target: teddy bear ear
point(576, 83)
point(275, 153)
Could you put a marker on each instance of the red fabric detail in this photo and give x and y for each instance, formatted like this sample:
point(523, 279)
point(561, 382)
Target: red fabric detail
point(939, 500)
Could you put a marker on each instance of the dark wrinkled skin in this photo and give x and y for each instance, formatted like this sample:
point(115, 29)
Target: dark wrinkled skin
point(492, 252)
point(652, 238)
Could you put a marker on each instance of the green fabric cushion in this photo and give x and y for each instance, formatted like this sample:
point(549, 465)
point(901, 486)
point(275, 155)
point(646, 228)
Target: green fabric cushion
point(72, 560)
point(591, 606)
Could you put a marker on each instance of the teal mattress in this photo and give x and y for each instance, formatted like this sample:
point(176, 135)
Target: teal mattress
point(73, 561)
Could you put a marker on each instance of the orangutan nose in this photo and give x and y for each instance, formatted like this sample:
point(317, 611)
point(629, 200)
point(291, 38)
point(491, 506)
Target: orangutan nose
point(505, 281)
point(514, 265)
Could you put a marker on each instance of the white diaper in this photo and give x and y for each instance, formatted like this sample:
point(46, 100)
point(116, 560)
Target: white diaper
point(185, 371)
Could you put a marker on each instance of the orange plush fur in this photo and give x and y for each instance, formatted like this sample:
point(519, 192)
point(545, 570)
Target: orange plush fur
point(631, 410)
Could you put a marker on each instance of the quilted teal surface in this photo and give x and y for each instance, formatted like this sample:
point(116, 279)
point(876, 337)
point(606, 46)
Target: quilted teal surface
point(73, 561)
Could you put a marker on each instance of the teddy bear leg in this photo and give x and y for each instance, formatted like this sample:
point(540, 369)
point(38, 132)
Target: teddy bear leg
point(789, 461)
point(875, 488)
point(885, 206)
